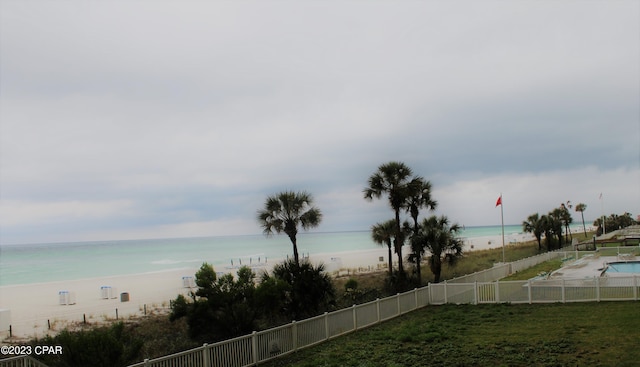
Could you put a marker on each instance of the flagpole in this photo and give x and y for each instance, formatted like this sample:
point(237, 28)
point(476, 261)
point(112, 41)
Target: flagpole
point(502, 220)
point(604, 218)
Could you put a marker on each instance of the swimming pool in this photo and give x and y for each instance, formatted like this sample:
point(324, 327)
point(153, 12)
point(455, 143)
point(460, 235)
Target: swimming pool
point(623, 267)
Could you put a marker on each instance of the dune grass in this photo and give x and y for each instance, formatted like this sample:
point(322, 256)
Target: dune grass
point(577, 334)
point(471, 262)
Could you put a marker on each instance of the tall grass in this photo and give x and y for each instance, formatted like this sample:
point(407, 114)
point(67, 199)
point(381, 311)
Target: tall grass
point(471, 262)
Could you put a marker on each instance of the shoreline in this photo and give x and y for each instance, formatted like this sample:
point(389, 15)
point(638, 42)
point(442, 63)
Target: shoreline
point(35, 309)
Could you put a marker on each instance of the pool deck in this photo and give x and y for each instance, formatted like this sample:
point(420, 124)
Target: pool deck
point(589, 267)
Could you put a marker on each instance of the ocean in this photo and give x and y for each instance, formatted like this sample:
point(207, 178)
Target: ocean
point(36, 263)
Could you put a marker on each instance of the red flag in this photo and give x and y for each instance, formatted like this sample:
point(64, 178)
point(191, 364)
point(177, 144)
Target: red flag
point(499, 202)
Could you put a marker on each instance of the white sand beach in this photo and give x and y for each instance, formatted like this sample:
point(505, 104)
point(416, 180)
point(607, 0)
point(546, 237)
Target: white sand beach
point(36, 309)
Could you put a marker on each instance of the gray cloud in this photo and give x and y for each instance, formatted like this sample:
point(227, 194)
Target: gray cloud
point(177, 118)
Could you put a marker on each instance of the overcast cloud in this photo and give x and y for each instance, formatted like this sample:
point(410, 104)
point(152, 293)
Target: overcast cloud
point(150, 119)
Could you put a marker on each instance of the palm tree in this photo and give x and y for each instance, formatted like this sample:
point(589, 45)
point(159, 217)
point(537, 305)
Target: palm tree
point(546, 224)
point(393, 179)
point(581, 208)
point(534, 224)
point(566, 219)
point(554, 221)
point(441, 239)
point(286, 210)
point(383, 234)
point(419, 197)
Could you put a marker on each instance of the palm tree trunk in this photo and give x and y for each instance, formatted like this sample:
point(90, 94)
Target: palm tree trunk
point(436, 269)
point(296, 258)
point(418, 270)
point(547, 237)
point(398, 245)
point(418, 255)
point(390, 258)
point(584, 228)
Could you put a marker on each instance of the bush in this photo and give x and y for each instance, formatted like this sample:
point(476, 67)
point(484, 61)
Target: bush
point(221, 307)
point(398, 283)
point(226, 307)
point(308, 290)
point(351, 284)
point(104, 346)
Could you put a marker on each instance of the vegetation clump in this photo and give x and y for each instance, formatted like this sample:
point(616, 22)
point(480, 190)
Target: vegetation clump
point(613, 222)
point(435, 236)
point(110, 346)
point(225, 307)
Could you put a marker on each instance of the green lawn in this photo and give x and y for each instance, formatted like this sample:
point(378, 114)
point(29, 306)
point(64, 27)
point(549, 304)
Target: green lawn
point(577, 334)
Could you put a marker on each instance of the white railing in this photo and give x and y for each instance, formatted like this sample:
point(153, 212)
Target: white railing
point(268, 344)
point(21, 361)
point(477, 288)
point(480, 287)
point(265, 345)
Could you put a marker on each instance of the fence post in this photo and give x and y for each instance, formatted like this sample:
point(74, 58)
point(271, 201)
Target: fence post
point(205, 355)
point(563, 292)
point(415, 294)
point(398, 304)
point(529, 286)
point(254, 347)
point(355, 317)
point(378, 309)
point(294, 335)
point(430, 297)
point(326, 325)
point(446, 297)
point(597, 289)
point(475, 292)
point(497, 291)
point(635, 288)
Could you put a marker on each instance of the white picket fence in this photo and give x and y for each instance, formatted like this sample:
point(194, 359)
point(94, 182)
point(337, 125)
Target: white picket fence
point(265, 345)
point(21, 361)
point(477, 288)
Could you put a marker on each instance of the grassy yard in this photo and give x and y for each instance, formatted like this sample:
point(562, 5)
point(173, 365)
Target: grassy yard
point(577, 334)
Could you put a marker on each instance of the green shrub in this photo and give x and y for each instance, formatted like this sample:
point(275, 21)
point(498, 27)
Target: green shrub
point(308, 291)
point(103, 346)
point(351, 284)
point(221, 307)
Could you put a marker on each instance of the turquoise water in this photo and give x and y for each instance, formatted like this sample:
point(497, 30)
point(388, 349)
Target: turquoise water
point(624, 267)
point(23, 264)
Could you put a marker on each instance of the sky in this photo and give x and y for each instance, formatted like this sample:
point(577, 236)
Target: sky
point(154, 119)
